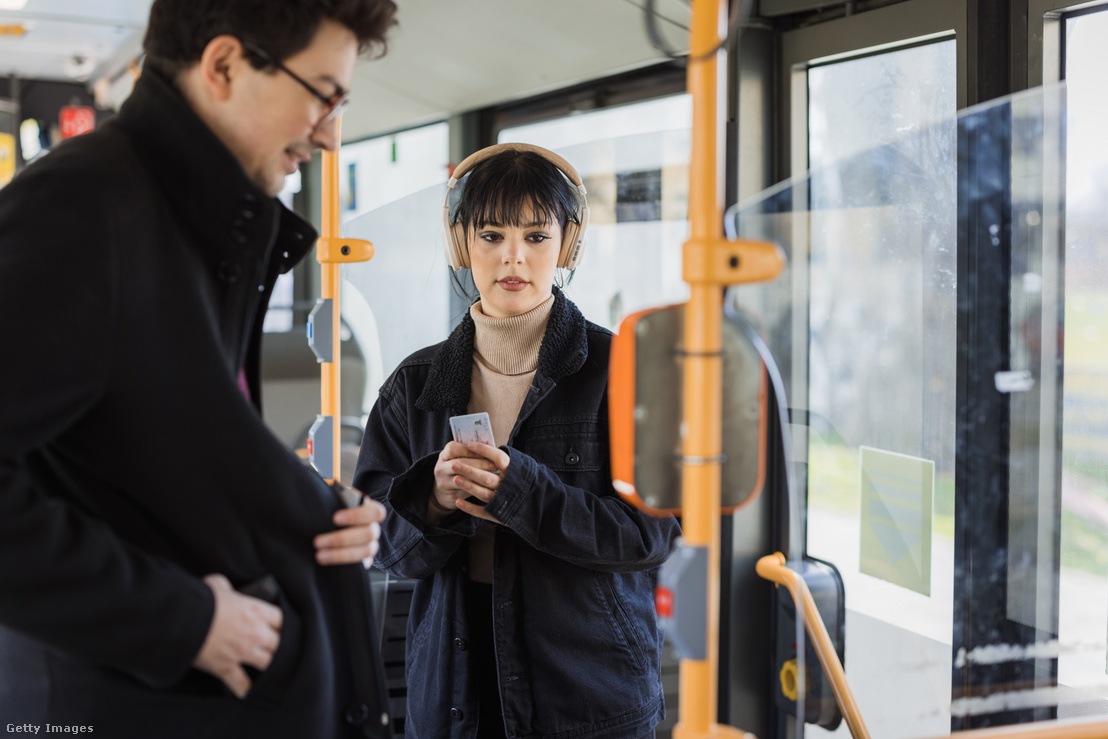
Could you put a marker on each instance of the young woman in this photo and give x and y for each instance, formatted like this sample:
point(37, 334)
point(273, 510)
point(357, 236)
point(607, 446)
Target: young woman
point(533, 615)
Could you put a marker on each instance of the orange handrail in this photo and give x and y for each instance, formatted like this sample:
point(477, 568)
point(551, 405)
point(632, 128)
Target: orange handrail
point(772, 567)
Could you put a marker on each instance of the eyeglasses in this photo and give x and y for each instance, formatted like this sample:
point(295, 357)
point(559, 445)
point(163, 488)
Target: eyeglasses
point(334, 104)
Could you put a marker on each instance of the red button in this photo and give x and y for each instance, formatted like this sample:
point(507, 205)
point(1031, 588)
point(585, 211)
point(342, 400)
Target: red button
point(663, 601)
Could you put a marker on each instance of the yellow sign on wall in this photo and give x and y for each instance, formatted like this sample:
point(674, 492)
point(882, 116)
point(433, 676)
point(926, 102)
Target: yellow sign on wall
point(7, 158)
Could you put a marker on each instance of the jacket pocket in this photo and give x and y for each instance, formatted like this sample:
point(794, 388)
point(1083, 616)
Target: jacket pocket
point(630, 635)
point(268, 688)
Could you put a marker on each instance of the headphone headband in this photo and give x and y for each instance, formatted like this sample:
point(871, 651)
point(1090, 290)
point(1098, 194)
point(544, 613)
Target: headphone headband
point(457, 251)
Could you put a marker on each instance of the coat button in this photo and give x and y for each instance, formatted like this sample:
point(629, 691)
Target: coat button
point(356, 714)
point(572, 458)
point(460, 644)
point(456, 714)
point(229, 272)
point(238, 235)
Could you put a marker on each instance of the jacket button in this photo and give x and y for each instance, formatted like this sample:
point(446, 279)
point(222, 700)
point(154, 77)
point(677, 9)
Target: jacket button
point(572, 458)
point(238, 235)
point(460, 644)
point(456, 714)
point(229, 272)
point(356, 714)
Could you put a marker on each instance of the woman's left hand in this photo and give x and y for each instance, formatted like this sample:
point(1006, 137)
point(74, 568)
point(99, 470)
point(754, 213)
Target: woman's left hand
point(479, 483)
point(356, 538)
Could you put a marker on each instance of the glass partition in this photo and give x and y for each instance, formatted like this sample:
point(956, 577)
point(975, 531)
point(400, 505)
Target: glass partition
point(1083, 321)
point(638, 206)
point(399, 301)
point(919, 328)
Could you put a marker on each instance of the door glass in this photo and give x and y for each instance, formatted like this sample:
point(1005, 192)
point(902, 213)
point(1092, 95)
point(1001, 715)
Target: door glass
point(863, 324)
point(881, 371)
point(1083, 587)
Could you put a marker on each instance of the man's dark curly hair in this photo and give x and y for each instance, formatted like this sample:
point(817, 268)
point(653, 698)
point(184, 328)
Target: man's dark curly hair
point(179, 30)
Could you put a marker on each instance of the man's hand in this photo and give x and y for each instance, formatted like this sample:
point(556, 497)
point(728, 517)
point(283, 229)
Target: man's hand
point(356, 539)
point(244, 631)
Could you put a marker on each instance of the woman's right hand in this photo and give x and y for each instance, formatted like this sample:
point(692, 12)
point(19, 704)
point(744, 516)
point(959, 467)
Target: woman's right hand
point(448, 474)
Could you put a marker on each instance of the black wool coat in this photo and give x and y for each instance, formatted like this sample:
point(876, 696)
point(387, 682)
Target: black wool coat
point(135, 266)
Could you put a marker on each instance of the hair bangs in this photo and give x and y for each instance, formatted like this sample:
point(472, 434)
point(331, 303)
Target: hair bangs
point(516, 189)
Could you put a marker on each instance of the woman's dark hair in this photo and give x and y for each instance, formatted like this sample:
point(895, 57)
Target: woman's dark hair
point(179, 30)
point(513, 185)
point(503, 190)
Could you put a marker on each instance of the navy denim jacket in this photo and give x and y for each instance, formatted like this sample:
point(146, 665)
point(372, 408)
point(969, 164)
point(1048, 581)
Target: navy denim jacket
point(576, 638)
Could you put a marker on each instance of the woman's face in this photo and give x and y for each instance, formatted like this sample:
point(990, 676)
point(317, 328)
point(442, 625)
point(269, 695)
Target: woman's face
point(513, 266)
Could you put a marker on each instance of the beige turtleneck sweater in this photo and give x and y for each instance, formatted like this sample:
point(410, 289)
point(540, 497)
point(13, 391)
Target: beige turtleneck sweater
point(505, 357)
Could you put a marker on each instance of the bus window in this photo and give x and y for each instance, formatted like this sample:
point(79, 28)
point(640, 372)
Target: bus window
point(633, 160)
point(1083, 580)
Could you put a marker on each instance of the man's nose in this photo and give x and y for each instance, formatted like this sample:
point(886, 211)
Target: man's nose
point(326, 136)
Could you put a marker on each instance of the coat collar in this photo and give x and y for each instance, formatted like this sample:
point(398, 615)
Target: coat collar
point(449, 382)
point(205, 184)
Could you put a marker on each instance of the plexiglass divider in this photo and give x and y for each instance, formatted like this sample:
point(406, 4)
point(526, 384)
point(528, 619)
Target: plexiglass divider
point(975, 583)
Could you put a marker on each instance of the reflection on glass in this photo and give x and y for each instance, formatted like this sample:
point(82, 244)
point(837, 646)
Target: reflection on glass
point(633, 160)
point(1083, 593)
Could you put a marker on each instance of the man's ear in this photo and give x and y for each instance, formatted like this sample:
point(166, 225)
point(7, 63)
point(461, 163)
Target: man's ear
point(220, 64)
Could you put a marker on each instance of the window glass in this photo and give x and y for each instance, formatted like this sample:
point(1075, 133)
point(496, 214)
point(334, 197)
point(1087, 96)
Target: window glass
point(387, 168)
point(633, 160)
point(279, 317)
point(1083, 591)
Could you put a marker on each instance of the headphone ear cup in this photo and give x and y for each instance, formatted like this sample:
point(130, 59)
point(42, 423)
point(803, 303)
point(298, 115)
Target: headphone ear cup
point(448, 245)
point(573, 244)
point(458, 242)
point(569, 244)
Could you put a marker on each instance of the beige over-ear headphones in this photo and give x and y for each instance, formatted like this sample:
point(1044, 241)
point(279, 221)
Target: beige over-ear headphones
point(573, 240)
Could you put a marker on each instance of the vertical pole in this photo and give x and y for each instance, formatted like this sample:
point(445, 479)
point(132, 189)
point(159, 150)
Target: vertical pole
point(329, 371)
point(702, 391)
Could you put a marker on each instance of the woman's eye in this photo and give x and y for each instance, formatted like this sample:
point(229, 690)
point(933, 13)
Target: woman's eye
point(539, 238)
point(490, 236)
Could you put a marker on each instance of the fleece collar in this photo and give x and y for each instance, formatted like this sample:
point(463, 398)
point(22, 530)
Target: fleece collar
point(562, 352)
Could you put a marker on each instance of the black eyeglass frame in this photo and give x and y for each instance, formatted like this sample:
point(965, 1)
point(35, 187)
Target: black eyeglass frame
point(335, 103)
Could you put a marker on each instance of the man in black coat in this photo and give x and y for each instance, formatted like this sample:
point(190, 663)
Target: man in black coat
point(147, 514)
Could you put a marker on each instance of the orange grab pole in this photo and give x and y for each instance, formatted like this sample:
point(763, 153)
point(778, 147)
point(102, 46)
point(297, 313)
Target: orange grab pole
point(702, 388)
point(332, 252)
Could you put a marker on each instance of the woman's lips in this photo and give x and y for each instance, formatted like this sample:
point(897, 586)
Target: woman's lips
point(513, 284)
